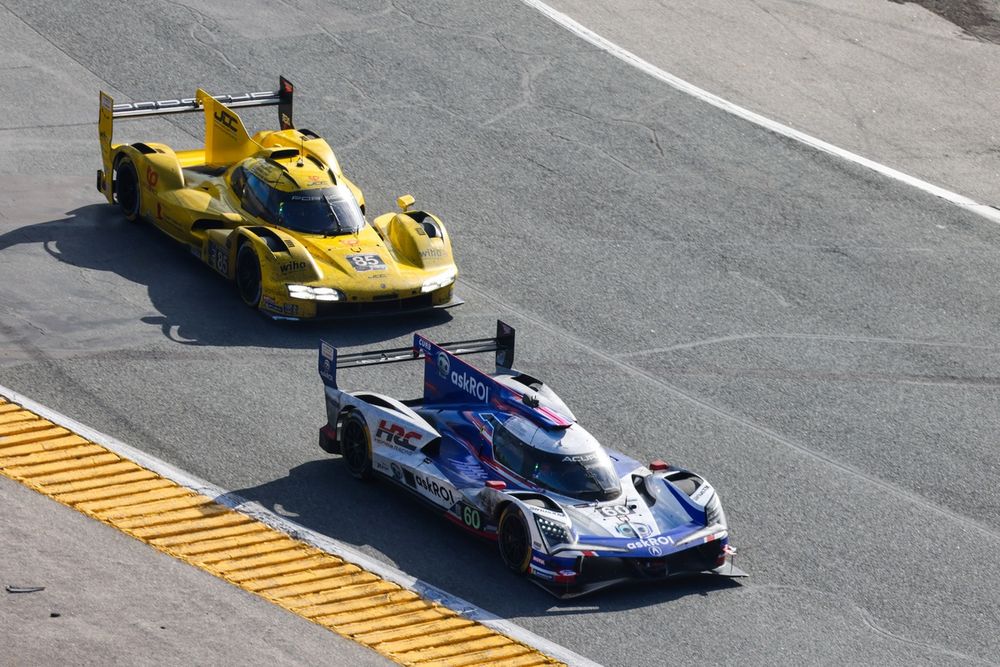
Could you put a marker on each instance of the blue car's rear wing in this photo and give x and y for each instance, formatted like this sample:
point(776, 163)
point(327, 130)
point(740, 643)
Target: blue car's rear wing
point(502, 344)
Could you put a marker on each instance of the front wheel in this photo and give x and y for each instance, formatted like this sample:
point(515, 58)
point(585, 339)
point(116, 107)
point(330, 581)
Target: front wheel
point(514, 539)
point(248, 275)
point(356, 447)
point(126, 184)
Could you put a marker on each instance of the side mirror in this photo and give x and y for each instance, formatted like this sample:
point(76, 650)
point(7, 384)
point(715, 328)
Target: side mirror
point(405, 202)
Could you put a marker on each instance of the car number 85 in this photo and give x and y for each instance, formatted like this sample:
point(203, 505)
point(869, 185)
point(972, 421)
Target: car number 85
point(366, 262)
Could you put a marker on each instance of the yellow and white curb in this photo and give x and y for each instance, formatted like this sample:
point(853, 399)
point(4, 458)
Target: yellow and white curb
point(316, 577)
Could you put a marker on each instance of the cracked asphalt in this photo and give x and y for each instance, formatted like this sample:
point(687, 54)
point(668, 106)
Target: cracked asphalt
point(819, 341)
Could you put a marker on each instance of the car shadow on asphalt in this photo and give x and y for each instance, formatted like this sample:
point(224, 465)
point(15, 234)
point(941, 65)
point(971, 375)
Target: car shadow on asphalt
point(195, 305)
point(378, 517)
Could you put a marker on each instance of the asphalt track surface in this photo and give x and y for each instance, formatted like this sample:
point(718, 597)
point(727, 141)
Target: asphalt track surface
point(819, 341)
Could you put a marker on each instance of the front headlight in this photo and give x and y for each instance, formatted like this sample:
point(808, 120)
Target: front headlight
point(439, 281)
point(308, 293)
point(713, 512)
point(553, 531)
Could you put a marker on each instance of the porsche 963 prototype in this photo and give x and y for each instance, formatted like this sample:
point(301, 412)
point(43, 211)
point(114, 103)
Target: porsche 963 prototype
point(275, 213)
point(502, 456)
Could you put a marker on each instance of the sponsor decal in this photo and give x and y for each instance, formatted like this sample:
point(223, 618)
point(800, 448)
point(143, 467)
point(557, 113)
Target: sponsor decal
point(267, 303)
point(425, 346)
point(702, 493)
point(396, 434)
point(655, 551)
point(467, 468)
point(151, 177)
point(291, 267)
point(633, 529)
point(291, 309)
point(105, 102)
point(431, 252)
point(326, 350)
point(443, 364)
point(536, 559)
point(651, 543)
point(580, 458)
point(226, 120)
point(431, 487)
point(381, 466)
point(397, 472)
point(567, 573)
point(468, 383)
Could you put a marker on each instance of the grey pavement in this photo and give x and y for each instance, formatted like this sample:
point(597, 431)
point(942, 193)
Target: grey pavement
point(818, 340)
point(892, 81)
point(109, 599)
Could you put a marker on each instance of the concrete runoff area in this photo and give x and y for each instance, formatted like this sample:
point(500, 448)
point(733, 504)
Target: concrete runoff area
point(108, 599)
point(818, 341)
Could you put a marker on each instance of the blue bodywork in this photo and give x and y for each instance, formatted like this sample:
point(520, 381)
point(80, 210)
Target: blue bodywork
point(656, 528)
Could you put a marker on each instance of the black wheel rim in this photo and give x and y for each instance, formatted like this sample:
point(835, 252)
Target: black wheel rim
point(248, 278)
point(126, 188)
point(513, 542)
point(355, 445)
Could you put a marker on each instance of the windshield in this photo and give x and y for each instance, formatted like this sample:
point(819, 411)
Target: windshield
point(585, 476)
point(320, 211)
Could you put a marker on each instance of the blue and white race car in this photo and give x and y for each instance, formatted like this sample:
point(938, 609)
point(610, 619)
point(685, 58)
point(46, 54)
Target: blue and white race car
point(504, 458)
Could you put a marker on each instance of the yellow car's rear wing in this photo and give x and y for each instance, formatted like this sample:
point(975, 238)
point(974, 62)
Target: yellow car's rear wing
point(226, 139)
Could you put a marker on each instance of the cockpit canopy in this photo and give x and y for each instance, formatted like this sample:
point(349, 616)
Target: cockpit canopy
point(567, 461)
point(329, 210)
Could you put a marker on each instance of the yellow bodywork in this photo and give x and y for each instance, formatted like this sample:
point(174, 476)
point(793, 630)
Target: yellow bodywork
point(399, 261)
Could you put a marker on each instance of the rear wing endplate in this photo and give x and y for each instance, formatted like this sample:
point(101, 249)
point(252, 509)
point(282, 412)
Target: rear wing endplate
point(502, 344)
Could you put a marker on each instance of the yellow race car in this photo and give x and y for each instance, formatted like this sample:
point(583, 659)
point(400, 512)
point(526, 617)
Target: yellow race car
point(275, 214)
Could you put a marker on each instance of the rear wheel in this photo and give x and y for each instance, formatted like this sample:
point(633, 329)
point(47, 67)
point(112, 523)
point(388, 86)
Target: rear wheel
point(248, 275)
point(514, 539)
point(127, 188)
point(356, 446)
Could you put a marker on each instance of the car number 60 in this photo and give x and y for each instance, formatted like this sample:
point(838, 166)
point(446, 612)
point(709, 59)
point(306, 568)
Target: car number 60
point(470, 515)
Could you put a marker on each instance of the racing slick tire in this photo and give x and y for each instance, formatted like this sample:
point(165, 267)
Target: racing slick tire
point(127, 192)
point(356, 447)
point(514, 539)
point(248, 275)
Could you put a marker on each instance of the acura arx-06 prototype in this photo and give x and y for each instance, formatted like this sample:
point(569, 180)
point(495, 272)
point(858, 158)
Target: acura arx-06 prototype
point(503, 457)
point(275, 214)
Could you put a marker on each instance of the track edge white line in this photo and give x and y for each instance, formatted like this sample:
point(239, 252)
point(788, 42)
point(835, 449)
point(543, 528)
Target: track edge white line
point(983, 210)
